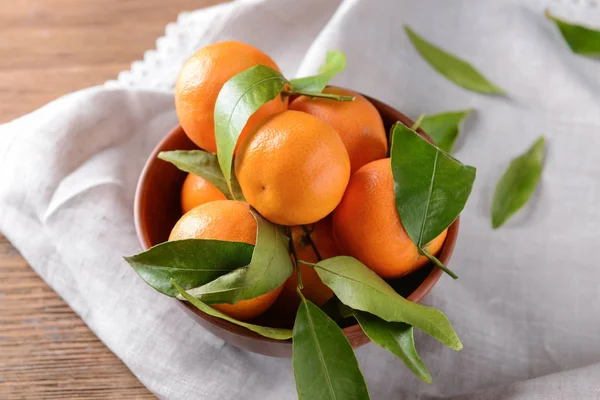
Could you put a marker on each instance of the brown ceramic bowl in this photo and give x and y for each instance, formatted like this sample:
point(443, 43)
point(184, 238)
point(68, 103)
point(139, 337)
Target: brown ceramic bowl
point(157, 209)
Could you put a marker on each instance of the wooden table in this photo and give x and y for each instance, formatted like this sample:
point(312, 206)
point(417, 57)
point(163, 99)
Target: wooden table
point(49, 48)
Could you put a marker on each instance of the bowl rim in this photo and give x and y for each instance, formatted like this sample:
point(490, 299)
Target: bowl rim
point(351, 331)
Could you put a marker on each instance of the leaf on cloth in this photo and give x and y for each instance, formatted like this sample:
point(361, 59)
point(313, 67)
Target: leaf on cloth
point(518, 183)
point(458, 71)
point(580, 39)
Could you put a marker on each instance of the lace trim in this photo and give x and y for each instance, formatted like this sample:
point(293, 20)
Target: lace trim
point(159, 67)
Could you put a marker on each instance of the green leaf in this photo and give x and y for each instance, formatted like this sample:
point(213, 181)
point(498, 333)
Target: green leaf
point(397, 338)
point(431, 187)
point(325, 366)
point(336, 310)
point(362, 289)
point(335, 62)
point(330, 96)
point(518, 183)
point(581, 40)
point(206, 165)
point(192, 262)
point(273, 333)
point(458, 71)
point(270, 267)
point(444, 128)
point(240, 97)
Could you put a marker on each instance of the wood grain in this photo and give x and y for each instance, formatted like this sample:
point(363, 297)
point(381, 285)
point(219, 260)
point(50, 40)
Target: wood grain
point(49, 48)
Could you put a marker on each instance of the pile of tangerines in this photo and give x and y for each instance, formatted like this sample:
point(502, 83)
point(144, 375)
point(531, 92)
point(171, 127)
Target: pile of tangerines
point(317, 165)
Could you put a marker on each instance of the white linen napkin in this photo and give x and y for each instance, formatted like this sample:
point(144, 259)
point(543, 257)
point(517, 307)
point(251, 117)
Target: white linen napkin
point(527, 304)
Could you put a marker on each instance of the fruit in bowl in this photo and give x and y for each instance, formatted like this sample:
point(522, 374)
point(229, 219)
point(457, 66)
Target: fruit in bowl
point(317, 221)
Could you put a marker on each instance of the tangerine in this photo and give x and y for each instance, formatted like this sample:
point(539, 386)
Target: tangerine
point(293, 169)
point(366, 224)
point(321, 236)
point(200, 81)
point(231, 221)
point(197, 190)
point(357, 122)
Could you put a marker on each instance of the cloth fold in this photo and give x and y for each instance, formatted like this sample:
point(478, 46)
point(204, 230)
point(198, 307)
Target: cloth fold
point(527, 302)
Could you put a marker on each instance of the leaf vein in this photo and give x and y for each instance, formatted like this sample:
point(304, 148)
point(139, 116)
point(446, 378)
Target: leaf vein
point(424, 220)
point(246, 92)
point(320, 352)
point(356, 280)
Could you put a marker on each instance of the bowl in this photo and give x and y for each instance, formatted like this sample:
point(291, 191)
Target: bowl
point(157, 209)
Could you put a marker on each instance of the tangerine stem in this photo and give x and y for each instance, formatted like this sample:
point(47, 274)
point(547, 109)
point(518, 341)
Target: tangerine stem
point(307, 235)
point(296, 261)
point(437, 262)
point(307, 263)
point(320, 95)
point(302, 298)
